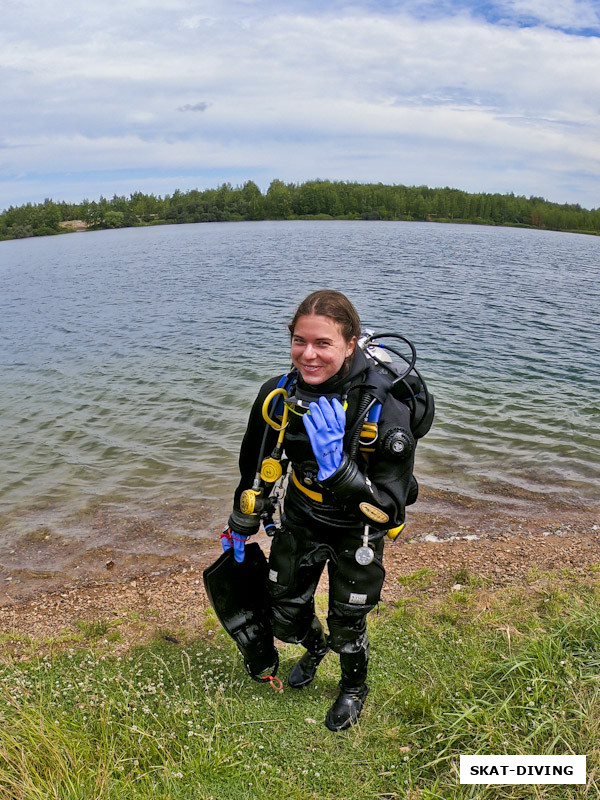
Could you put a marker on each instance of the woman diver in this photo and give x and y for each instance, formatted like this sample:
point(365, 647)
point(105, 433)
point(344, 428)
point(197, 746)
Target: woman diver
point(348, 443)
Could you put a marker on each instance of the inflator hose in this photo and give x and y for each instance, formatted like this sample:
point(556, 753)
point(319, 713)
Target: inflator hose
point(354, 434)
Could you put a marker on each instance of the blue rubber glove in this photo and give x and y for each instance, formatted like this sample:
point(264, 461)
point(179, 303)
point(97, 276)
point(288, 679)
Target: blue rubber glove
point(325, 426)
point(231, 539)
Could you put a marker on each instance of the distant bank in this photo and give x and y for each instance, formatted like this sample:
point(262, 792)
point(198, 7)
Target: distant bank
point(312, 200)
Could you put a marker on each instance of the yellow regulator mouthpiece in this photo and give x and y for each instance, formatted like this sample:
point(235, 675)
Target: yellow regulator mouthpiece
point(270, 470)
point(248, 500)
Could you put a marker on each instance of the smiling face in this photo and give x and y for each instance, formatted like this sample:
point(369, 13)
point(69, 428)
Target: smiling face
point(319, 348)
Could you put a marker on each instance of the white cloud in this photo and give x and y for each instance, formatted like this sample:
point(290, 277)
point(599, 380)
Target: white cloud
point(360, 94)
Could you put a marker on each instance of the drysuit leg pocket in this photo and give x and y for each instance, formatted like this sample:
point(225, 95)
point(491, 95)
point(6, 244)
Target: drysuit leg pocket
point(282, 563)
point(354, 590)
point(291, 584)
point(354, 584)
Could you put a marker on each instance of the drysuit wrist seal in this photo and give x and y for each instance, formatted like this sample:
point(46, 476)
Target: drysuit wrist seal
point(346, 480)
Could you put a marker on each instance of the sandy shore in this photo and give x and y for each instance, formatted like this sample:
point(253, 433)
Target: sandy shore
point(449, 536)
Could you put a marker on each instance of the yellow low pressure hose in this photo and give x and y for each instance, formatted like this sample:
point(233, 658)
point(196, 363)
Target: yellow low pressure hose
point(270, 470)
point(273, 423)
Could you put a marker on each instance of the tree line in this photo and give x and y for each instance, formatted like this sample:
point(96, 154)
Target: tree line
point(319, 199)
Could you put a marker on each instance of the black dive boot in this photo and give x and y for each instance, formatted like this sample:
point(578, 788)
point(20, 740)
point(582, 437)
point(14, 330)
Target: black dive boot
point(353, 691)
point(304, 670)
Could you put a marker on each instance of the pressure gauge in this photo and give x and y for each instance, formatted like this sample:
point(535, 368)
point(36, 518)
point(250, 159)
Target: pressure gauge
point(365, 554)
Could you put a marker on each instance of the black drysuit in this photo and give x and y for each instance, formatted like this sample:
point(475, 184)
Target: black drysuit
point(324, 521)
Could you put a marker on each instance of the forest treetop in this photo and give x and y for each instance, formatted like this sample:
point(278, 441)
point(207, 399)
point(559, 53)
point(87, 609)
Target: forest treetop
point(318, 199)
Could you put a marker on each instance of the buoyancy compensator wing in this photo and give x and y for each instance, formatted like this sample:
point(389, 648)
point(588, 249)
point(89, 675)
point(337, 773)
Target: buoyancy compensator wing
point(238, 594)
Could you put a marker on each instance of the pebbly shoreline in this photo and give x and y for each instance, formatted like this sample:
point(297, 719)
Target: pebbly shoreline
point(450, 538)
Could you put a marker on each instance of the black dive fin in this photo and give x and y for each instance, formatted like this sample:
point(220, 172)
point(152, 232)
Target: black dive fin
point(238, 594)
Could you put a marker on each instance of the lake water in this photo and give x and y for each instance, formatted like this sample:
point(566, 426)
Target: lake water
point(129, 359)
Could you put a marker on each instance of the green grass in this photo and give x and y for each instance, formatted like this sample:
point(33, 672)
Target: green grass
point(99, 629)
point(421, 579)
point(517, 671)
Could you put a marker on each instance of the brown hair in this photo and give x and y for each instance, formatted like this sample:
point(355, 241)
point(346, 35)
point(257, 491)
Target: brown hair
point(332, 304)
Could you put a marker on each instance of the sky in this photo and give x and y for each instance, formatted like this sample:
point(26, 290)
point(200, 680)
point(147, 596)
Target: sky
point(100, 97)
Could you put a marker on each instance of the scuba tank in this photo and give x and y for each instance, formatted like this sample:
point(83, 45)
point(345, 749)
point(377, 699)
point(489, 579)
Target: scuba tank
point(403, 380)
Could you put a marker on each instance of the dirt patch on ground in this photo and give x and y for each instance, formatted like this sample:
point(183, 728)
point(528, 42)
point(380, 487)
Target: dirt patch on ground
point(74, 225)
point(447, 543)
